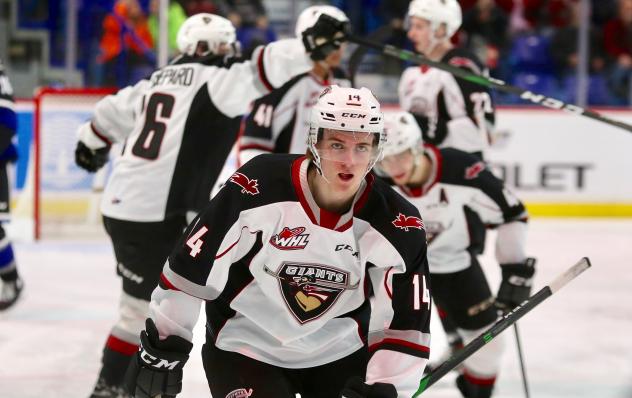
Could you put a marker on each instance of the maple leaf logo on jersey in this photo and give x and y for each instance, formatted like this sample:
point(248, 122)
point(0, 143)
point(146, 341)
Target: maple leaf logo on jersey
point(309, 290)
point(474, 170)
point(290, 239)
point(405, 222)
point(247, 185)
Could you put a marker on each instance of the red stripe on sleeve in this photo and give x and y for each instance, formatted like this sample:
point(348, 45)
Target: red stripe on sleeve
point(120, 346)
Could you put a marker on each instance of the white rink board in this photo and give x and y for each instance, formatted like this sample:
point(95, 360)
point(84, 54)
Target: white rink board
point(553, 157)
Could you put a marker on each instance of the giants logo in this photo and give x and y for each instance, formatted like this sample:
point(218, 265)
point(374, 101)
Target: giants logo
point(309, 290)
point(240, 393)
point(251, 187)
point(290, 239)
point(157, 362)
point(474, 170)
point(405, 222)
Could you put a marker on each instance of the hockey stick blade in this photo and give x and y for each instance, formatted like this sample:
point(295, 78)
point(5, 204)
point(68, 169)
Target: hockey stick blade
point(503, 323)
point(543, 100)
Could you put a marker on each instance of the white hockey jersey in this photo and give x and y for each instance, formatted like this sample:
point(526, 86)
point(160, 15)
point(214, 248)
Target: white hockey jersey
point(279, 121)
point(451, 112)
point(458, 202)
point(289, 284)
point(178, 127)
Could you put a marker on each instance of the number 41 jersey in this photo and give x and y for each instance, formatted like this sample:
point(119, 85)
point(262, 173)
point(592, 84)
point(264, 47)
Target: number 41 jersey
point(289, 284)
point(179, 125)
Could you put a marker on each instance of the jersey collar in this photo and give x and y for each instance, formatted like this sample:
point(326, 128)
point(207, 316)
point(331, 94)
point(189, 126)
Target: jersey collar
point(322, 217)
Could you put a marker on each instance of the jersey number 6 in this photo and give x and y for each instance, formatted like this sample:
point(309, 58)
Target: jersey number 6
point(148, 143)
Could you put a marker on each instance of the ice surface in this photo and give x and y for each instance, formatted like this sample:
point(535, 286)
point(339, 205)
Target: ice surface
point(577, 344)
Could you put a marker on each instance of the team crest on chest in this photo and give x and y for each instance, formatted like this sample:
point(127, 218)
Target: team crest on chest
point(248, 186)
point(290, 239)
point(309, 290)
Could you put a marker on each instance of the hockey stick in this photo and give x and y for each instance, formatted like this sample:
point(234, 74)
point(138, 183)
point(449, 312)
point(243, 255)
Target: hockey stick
point(500, 85)
point(507, 320)
point(523, 370)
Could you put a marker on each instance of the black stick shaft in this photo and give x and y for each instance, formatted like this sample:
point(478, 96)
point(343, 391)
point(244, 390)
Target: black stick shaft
point(497, 84)
point(523, 369)
point(506, 321)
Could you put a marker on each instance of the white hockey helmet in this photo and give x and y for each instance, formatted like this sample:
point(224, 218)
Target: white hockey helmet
point(207, 28)
point(402, 133)
point(438, 12)
point(310, 15)
point(346, 109)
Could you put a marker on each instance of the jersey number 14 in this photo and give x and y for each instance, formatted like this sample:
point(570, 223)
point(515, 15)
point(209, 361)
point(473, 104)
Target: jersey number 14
point(421, 293)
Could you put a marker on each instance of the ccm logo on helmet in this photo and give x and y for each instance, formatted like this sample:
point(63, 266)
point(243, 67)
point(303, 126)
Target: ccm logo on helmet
point(354, 115)
point(157, 363)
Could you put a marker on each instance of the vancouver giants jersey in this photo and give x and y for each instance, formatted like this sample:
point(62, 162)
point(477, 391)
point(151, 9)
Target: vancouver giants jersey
point(279, 121)
point(289, 284)
point(451, 112)
point(462, 198)
point(179, 126)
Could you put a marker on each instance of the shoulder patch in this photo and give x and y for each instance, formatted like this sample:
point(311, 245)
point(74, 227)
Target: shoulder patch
point(474, 170)
point(405, 222)
point(248, 186)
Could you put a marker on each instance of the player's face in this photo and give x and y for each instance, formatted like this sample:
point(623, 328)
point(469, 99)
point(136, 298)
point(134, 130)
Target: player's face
point(345, 157)
point(335, 57)
point(399, 167)
point(420, 33)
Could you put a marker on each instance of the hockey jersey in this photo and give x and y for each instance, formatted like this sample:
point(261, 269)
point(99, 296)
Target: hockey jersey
point(451, 112)
point(8, 119)
point(279, 121)
point(289, 284)
point(179, 125)
point(461, 199)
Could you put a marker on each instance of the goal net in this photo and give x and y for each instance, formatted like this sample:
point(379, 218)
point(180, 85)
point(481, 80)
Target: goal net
point(57, 198)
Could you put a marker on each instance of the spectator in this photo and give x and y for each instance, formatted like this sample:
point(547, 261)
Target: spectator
point(253, 27)
point(618, 46)
point(193, 7)
point(486, 27)
point(126, 44)
point(564, 46)
point(176, 17)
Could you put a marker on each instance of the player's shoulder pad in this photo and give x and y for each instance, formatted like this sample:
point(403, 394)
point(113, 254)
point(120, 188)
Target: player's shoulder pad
point(463, 58)
point(264, 179)
point(395, 218)
point(459, 167)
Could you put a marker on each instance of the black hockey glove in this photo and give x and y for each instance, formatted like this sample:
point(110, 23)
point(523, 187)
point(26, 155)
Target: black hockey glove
point(91, 159)
point(356, 388)
point(156, 368)
point(516, 284)
point(326, 36)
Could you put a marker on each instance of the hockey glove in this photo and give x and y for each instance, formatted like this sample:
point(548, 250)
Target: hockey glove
point(91, 159)
point(516, 284)
point(326, 36)
point(156, 368)
point(356, 388)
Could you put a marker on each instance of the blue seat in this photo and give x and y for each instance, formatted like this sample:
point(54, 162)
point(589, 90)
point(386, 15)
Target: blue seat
point(530, 53)
point(598, 91)
point(545, 84)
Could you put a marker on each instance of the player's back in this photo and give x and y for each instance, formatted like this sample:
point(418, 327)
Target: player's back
point(178, 143)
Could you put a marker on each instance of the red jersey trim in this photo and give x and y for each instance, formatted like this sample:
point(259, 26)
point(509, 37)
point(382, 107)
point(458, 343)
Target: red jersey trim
point(262, 71)
point(403, 343)
point(120, 346)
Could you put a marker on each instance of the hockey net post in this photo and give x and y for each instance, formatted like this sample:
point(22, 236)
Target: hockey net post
point(58, 199)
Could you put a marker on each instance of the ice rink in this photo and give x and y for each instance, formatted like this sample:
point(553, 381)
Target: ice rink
point(577, 344)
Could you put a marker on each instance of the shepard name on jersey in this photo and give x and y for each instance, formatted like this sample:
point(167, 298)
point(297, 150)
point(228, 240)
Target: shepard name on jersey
point(288, 283)
point(451, 112)
point(278, 121)
point(458, 202)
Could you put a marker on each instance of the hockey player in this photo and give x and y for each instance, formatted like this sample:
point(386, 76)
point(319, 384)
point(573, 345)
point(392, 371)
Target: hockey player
point(451, 112)
point(278, 121)
point(178, 127)
point(286, 258)
point(11, 284)
point(458, 197)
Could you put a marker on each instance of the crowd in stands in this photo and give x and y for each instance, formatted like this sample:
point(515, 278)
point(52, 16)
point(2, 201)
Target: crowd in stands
point(529, 43)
